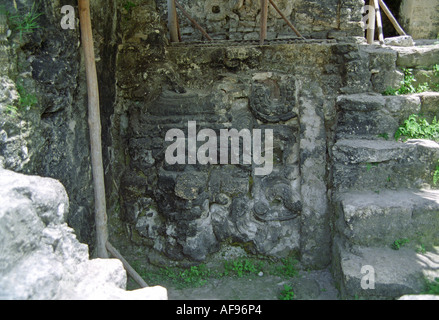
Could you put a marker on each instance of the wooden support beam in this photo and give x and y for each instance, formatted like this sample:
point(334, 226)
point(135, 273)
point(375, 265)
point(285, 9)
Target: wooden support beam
point(132, 273)
point(172, 21)
point(264, 18)
point(193, 21)
point(370, 33)
point(379, 22)
point(94, 122)
point(392, 18)
point(286, 19)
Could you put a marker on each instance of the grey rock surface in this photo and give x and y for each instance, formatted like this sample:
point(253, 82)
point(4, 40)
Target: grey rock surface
point(393, 272)
point(401, 41)
point(40, 257)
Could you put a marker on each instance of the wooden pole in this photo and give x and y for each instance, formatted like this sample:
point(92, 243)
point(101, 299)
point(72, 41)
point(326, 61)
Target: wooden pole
point(193, 21)
point(136, 277)
point(94, 122)
point(370, 35)
point(392, 18)
point(264, 18)
point(172, 21)
point(379, 22)
point(286, 19)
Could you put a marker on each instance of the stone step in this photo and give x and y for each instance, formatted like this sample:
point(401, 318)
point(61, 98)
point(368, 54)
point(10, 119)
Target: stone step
point(429, 104)
point(368, 218)
point(417, 56)
point(371, 115)
point(383, 273)
point(379, 164)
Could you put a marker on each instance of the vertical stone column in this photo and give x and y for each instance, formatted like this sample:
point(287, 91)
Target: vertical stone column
point(315, 233)
point(420, 18)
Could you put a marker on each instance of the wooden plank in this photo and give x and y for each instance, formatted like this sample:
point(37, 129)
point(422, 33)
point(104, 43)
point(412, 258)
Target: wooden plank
point(172, 21)
point(193, 21)
point(392, 18)
point(379, 22)
point(370, 33)
point(94, 122)
point(133, 274)
point(286, 19)
point(264, 18)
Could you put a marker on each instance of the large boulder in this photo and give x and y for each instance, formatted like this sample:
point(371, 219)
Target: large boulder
point(40, 257)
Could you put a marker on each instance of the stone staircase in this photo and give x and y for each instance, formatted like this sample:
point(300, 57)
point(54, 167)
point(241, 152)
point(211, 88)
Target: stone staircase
point(383, 189)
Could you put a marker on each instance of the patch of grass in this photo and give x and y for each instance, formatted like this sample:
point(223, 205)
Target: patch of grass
point(11, 110)
point(128, 6)
point(398, 244)
point(25, 21)
point(436, 174)
point(287, 268)
point(287, 293)
point(27, 100)
point(432, 287)
point(383, 135)
point(197, 276)
point(390, 92)
point(241, 267)
point(181, 278)
point(417, 127)
point(421, 249)
point(407, 85)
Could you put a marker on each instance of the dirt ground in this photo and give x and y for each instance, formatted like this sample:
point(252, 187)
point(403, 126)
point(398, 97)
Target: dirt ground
point(308, 285)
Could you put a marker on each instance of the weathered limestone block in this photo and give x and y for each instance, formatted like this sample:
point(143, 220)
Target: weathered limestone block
point(418, 56)
point(378, 219)
point(378, 164)
point(419, 18)
point(395, 272)
point(40, 257)
point(401, 41)
point(368, 115)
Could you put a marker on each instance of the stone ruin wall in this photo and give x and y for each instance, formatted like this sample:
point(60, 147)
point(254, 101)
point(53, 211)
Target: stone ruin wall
point(240, 19)
point(185, 213)
point(420, 18)
point(188, 211)
point(158, 211)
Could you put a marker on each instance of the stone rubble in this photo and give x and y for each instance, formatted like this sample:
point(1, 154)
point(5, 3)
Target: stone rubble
point(40, 257)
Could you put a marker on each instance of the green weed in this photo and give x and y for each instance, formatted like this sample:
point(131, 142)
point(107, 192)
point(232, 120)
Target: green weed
point(287, 268)
point(416, 127)
point(11, 110)
point(128, 6)
point(384, 135)
point(421, 249)
point(27, 100)
point(407, 85)
point(436, 174)
point(287, 293)
point(390, 92)
point(25, 22)
point(192, 277)
point(432, 287)
point(195, 276)
point(398, 244)
point(241, 267)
